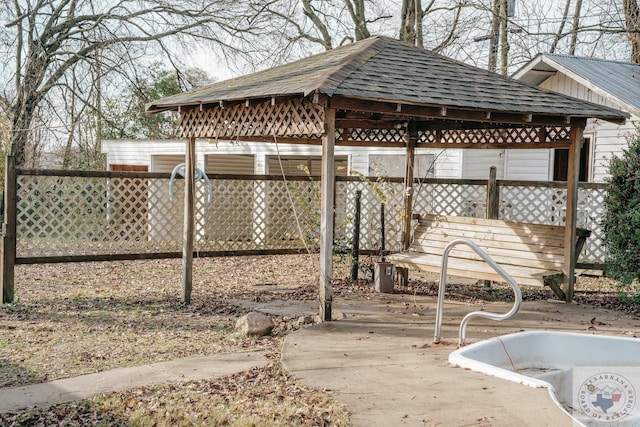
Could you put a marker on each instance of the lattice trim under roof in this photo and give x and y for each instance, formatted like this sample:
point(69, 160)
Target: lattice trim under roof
point(510, 136)
point(302, 119)
point(296, 118)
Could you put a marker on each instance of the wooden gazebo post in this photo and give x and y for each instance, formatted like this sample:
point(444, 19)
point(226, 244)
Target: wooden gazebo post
point(8, 250)
point(327, 196)
point(411, 138)
point(189, 221)
point(573, 175)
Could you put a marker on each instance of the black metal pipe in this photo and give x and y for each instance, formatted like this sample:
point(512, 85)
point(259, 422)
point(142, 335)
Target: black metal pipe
point(355, 249)
point(382, 226)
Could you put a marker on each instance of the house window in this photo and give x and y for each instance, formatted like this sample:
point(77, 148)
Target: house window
point(393, 165)
point(561, 162)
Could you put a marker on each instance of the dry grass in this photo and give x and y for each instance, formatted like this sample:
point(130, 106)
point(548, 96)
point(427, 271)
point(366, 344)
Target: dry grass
point(72, 319)
point(258, 397)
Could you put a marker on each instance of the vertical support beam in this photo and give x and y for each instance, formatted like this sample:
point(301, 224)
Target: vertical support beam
point(188, 236)
point(408, 185)
point(573, 174)
point(493, 202)
point(493, 195)
point(9, 230)
point(327, 193)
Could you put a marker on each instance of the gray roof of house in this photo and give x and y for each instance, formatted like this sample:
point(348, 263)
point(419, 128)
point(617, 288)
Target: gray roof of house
point(384, 69)
point(620, 79)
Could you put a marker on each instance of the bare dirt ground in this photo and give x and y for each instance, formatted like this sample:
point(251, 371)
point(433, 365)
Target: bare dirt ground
point(72, 319)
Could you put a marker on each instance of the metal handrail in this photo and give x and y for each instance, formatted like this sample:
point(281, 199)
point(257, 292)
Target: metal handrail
point(443, 279)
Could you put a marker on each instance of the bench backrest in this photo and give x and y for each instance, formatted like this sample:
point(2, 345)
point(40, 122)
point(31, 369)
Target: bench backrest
point(510, 243)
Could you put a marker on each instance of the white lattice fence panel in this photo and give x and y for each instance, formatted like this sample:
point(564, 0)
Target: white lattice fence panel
point(292, 214)
point(422, 199)
point(67, 216)
point(128, 211)
point(394, 213)
point(345, 213)
point(533, 204)
point(547, 205)
point(591, 212)
point(253, 215)
point(73, 216)
point(225, 223)
point(450, 199)
point(166, 217)
point(56, 216)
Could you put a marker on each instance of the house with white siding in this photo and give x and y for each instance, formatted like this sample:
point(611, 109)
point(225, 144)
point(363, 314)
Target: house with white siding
point(611, 83)
point(244, 157)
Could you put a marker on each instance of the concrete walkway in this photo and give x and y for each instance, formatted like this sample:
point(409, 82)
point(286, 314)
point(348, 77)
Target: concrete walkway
point(85, 386)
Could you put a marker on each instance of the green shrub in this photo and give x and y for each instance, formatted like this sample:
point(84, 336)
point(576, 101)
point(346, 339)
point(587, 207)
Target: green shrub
point(622, 220)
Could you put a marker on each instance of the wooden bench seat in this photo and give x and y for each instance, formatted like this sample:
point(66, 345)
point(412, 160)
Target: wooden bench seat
point(533, 254)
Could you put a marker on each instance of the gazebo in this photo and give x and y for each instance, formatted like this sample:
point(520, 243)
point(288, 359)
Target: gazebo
point(385, 93)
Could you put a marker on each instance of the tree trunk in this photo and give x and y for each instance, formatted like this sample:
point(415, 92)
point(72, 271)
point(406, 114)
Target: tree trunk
point(362, 32)
point(27, 99)
point(575, 28)
point(408, 21)
point(99, 121)
point(66, 160)
point(504, 40)
point(419, 16)
point(632, 21)
point(327, 43)
point(495, 36)
point(23, 112)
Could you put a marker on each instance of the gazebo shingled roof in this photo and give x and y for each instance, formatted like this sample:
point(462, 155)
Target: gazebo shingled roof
point(382, 92)
point(387, 70)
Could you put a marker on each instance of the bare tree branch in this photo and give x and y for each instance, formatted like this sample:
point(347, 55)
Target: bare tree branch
point(55, 36)
point(560, 32)
point(357, 11)
point(452, 34)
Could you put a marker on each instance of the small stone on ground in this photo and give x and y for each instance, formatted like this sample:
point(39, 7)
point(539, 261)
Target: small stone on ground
point(255, 324)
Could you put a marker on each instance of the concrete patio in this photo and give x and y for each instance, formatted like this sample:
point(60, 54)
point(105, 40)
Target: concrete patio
point(380, 361)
